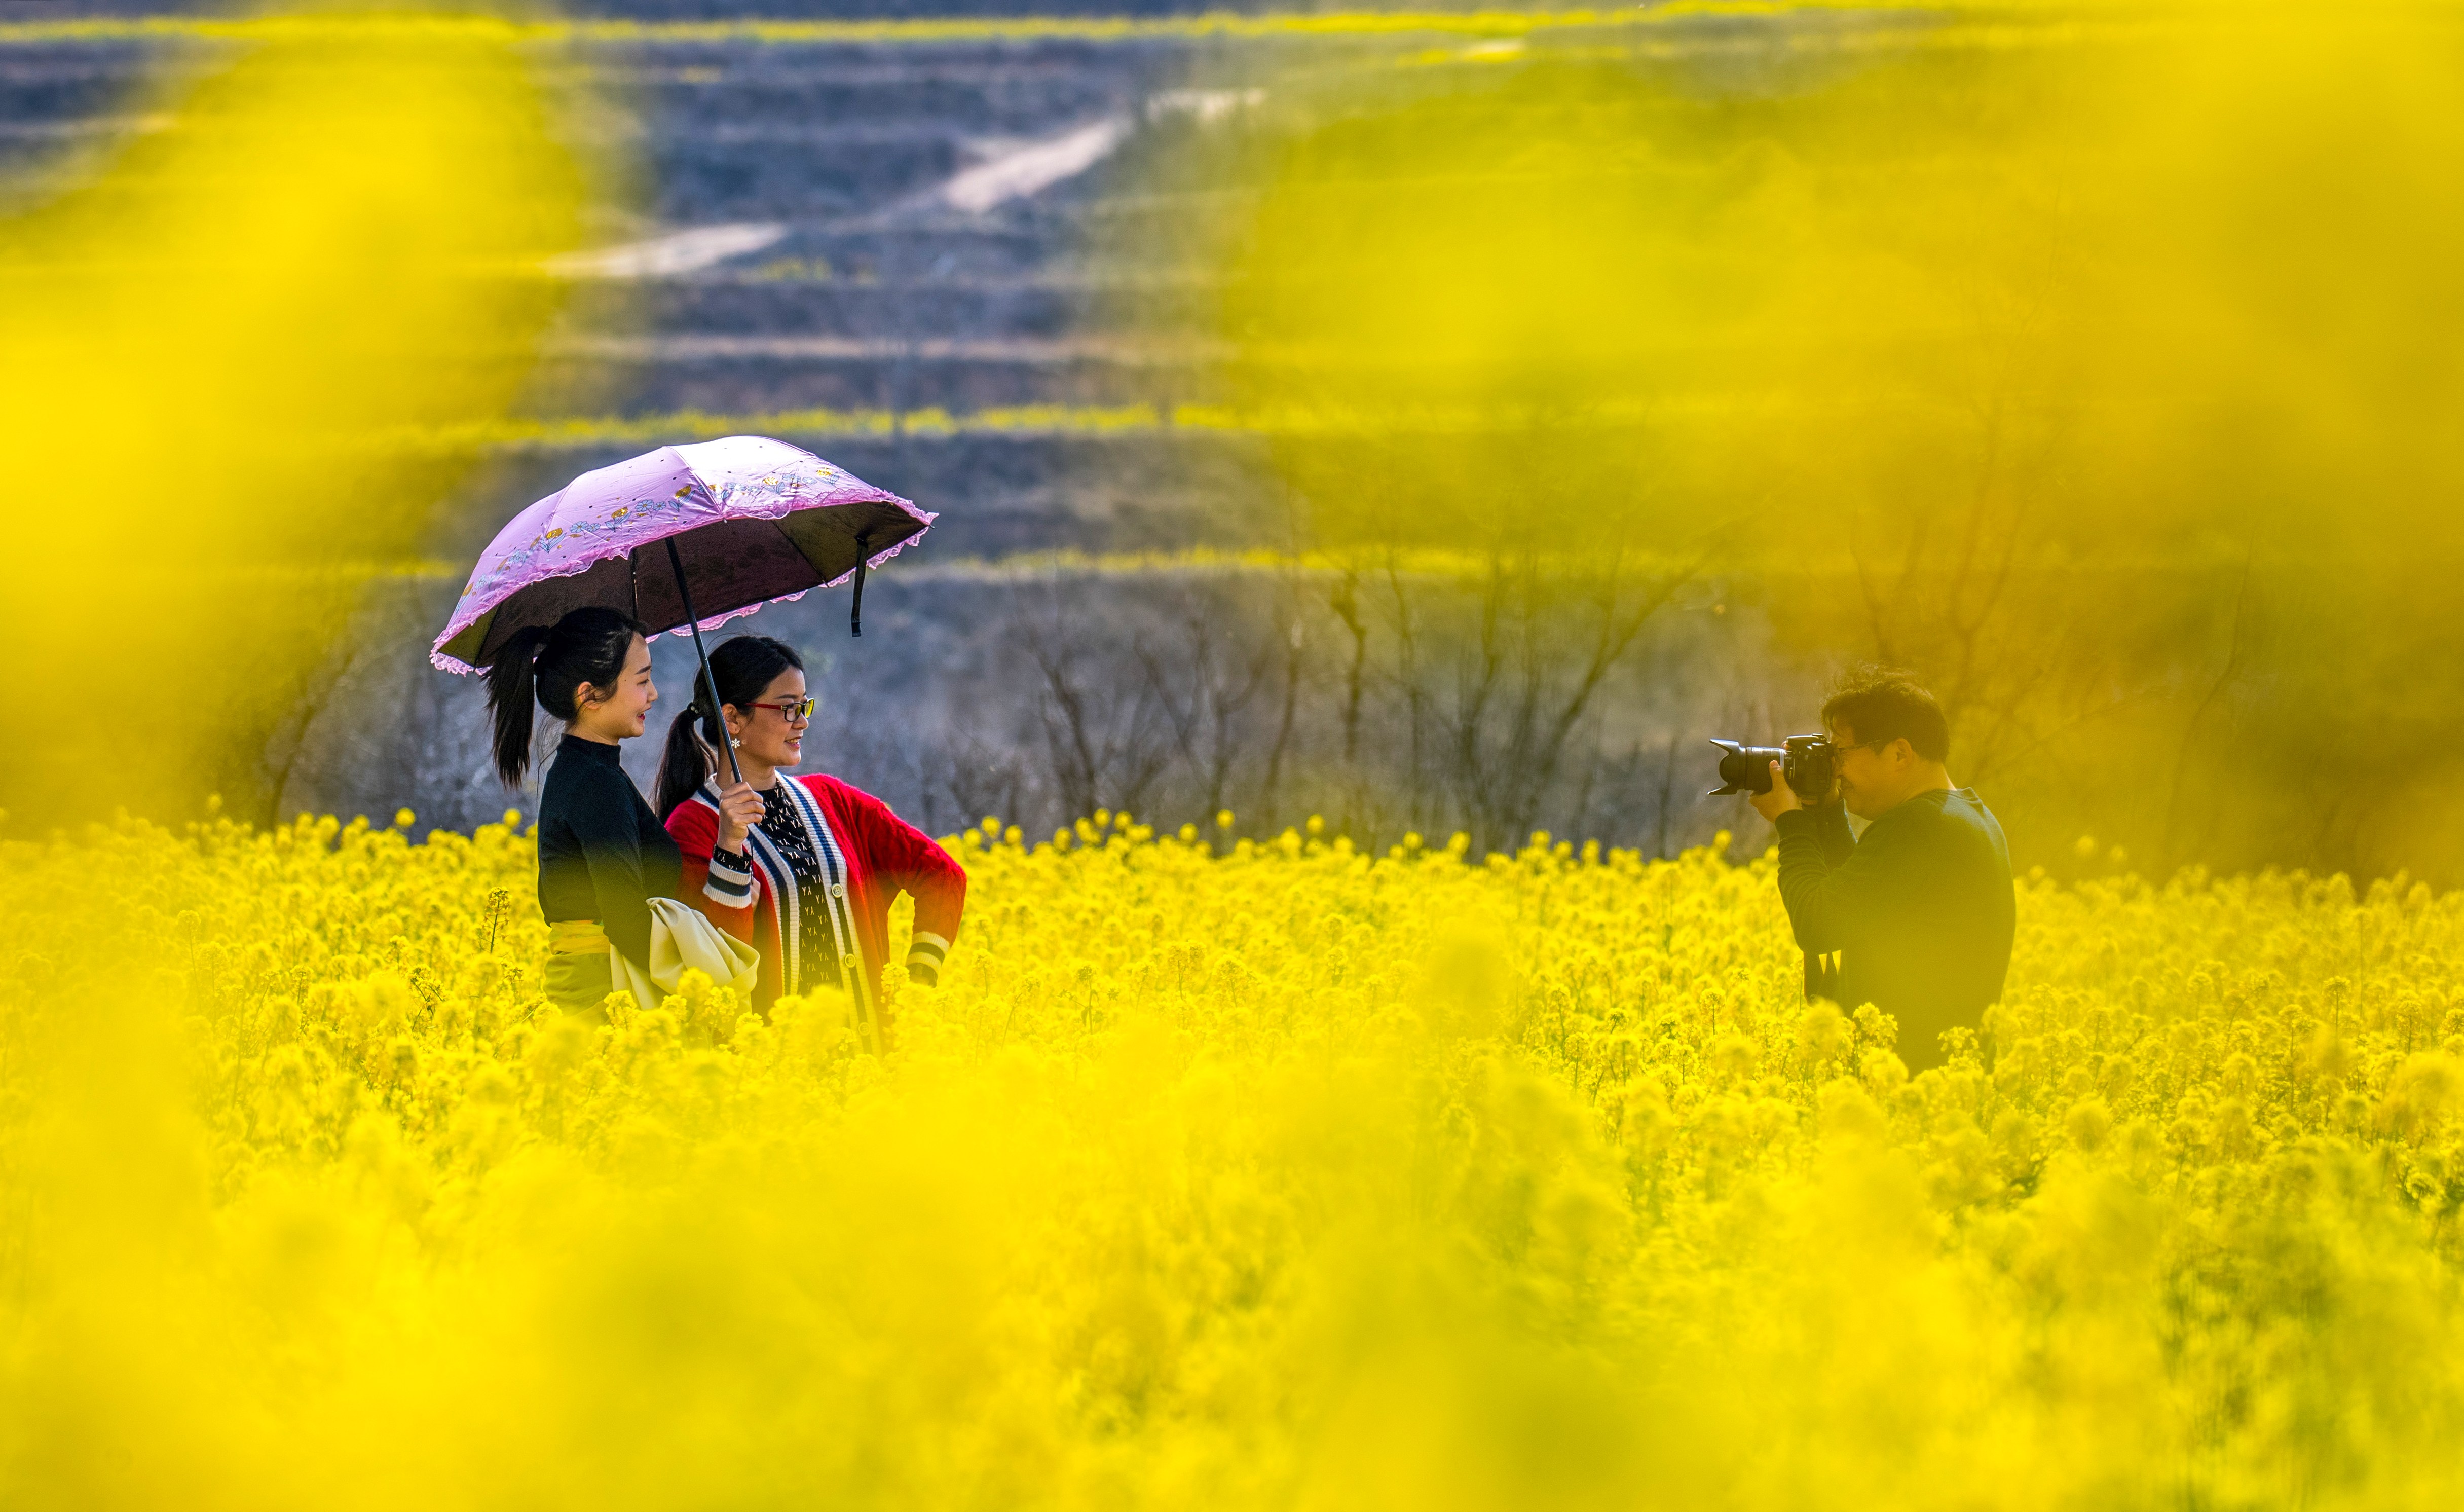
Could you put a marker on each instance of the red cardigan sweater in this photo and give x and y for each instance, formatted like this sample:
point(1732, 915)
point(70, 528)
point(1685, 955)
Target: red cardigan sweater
point(883, 857)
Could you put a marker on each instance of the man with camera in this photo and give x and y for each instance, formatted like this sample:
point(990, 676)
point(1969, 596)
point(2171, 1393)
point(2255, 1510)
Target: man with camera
point(1918, 906)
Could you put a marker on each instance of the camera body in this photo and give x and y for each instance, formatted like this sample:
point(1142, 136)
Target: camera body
point(1810, 764)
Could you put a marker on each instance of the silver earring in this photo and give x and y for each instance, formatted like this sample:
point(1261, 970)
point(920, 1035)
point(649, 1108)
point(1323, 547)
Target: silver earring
point(738, 743)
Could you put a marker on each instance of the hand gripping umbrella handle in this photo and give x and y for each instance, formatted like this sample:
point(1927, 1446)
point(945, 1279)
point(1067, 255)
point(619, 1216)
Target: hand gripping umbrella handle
point(708, 680)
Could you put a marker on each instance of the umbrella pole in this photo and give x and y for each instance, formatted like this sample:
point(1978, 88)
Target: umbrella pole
point(855, 612)
point(694, 620)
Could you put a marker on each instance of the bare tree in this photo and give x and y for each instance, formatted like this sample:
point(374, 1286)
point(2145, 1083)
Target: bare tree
point(1204, 688)
point(1106, 737)
point(1345, 602)
point(979, 779)
point(1504, 697)
point(1295, 638)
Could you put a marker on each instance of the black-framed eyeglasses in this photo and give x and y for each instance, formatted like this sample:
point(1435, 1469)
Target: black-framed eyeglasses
point(800, 709)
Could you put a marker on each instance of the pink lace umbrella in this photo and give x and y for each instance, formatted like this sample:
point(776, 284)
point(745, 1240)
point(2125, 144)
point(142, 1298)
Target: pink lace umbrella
point(738, 522)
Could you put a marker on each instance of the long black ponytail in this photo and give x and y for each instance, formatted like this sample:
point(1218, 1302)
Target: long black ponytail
point(745, 665)
point(550, 667)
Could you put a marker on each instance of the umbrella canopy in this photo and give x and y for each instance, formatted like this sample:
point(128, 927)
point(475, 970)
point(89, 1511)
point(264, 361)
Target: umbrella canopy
point(714, 529)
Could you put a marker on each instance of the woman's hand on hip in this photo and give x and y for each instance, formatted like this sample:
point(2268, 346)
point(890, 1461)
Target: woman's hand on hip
point(739, 809)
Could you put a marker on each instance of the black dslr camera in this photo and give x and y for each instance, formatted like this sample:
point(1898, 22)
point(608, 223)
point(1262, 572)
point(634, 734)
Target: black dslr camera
point(1809, 763)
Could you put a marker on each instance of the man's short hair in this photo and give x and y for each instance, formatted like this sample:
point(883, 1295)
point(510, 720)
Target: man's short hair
point(1881, 705)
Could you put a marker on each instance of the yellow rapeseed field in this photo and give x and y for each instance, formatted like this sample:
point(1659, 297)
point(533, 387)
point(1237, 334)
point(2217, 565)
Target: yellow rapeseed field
point(1290, 1177)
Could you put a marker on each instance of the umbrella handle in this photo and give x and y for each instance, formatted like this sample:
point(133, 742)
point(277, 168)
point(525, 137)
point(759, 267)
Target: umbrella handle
point(855, 610)
point(707, 676)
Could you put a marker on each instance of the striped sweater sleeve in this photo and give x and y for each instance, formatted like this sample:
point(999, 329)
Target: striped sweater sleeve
point(729, 882)
point(925, 953)
point(907, 860)
point(719, 883)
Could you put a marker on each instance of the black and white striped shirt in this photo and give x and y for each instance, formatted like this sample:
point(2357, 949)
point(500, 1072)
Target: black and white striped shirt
point(817, 873)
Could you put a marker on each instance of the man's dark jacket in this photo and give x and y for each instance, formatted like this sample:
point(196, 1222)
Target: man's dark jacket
point(1919, 909)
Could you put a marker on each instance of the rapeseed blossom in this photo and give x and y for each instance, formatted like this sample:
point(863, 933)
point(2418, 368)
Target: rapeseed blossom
point(1284, 1176)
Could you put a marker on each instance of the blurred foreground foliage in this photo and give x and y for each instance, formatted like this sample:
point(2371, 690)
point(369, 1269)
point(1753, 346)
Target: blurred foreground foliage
point(2098, 363)
point(1293, 1176)
point(332, 234)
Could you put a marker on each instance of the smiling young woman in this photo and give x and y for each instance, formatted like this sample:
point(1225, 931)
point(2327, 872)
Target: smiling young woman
point(804, 867)
point(603, 855)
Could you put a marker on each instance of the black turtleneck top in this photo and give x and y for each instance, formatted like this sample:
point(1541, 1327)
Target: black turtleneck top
point(601, 853)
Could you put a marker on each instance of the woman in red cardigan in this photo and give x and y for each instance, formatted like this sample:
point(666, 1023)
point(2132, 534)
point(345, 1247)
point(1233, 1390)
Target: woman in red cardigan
point(803, 867)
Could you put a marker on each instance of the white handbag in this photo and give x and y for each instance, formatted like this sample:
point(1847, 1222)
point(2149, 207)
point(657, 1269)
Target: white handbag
point(682, 940)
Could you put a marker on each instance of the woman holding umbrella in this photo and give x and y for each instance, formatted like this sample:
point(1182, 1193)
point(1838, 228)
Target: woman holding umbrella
point(603, 855)
point(809, 882)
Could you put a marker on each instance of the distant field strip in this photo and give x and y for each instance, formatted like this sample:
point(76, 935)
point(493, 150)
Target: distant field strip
point(959, 28)
point(1088, 420)
point(1042, 564)
point(693, 424)
point(1370, 564)
point(1020, 349)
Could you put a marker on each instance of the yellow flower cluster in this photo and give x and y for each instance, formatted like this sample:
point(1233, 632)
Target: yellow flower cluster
point(1218, 1174)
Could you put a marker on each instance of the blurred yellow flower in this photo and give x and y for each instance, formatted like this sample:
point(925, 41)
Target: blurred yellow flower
point(1453, 1146)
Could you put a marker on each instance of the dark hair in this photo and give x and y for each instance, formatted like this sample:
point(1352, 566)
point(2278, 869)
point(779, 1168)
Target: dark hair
point(1881, 705)
point(587, 646)
point(745, 666)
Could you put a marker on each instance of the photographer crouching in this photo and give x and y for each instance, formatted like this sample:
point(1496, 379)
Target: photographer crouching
point(1918, 906)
